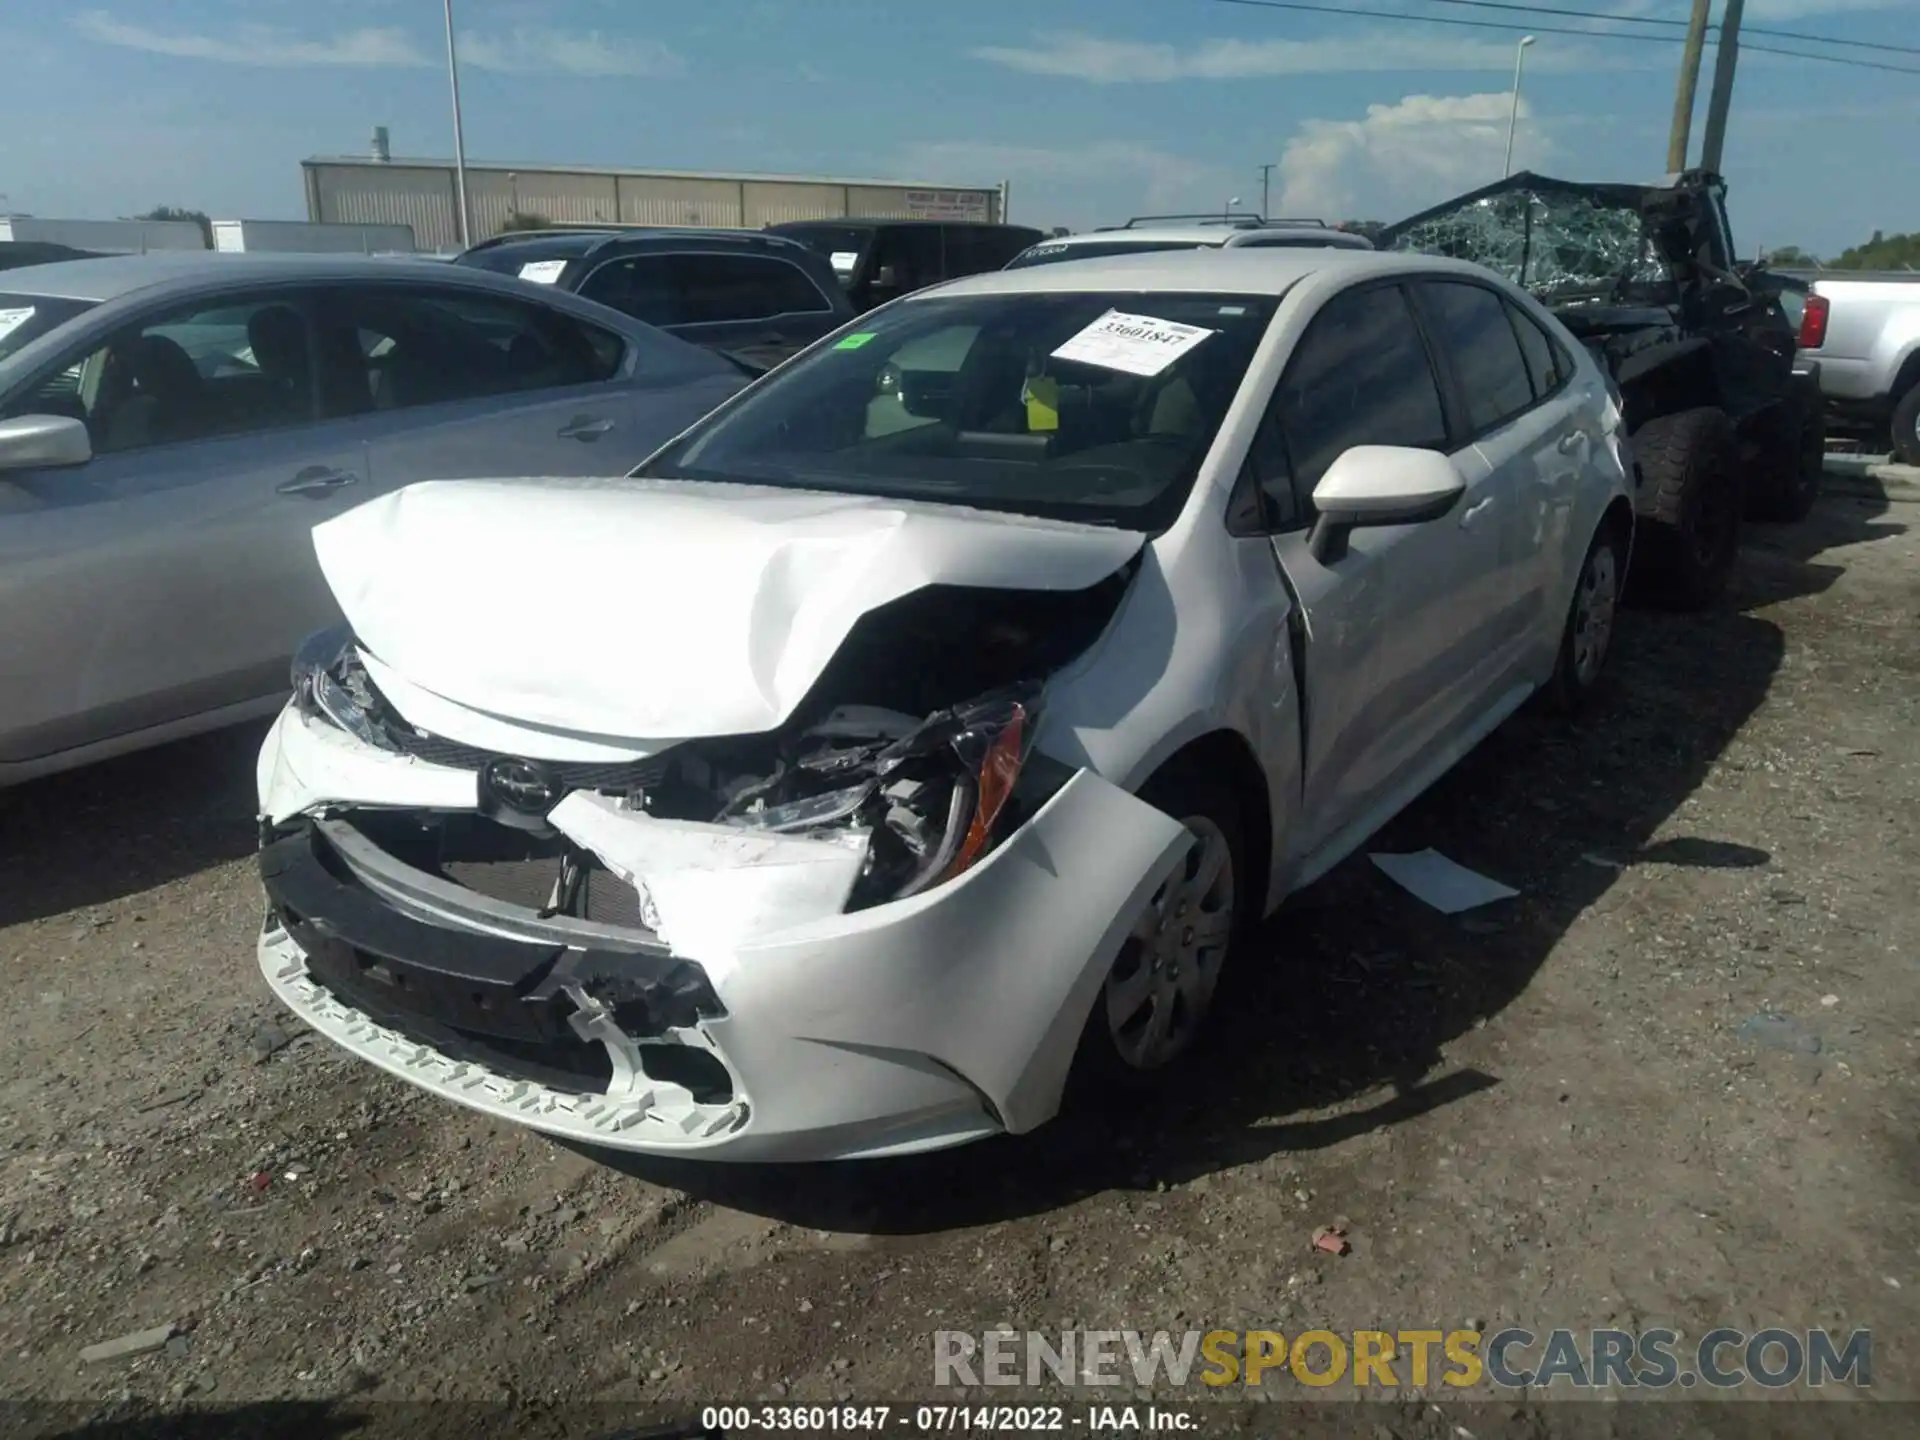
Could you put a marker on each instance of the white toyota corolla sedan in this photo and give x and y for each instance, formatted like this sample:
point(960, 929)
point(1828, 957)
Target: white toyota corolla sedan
point(935, 718)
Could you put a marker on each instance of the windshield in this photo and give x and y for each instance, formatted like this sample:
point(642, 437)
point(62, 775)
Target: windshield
point(1049, 251)
point(1556, 243)
point(25, 318)
point(1096, 407)
point(845, 246)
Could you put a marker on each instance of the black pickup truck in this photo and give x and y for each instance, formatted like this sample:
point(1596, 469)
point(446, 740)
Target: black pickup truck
point(1723, 425)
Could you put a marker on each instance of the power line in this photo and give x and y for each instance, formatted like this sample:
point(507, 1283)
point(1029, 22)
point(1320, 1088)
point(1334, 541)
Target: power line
point(1518, 9)
point(1352, 12)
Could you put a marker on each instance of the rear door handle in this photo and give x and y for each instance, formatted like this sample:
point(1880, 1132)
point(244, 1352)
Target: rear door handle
point(316, 480)
point(585, 428)
point(1474, 511)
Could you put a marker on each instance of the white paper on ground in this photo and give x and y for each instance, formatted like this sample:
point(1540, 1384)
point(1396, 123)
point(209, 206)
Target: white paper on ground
point(12, 320)
point(542, 272)
point(1135, 344)
point(1429, 876)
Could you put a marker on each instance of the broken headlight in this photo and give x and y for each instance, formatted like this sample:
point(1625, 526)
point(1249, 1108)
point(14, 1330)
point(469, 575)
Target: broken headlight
point(934, 802)
point(323, 689)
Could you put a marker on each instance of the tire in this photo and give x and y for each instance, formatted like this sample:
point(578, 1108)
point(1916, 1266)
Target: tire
point(1796, 460)
point(1118, 1053)
point(1592, 614)
point(1906, 427)
point(1688, 472)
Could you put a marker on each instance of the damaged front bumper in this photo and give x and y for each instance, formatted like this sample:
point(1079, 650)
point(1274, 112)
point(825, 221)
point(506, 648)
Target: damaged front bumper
point(769, 1033)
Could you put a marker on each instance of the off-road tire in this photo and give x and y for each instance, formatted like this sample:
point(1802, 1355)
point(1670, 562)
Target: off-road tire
point(1793, 462)
point(1568, 691)
point(1099, 1075)
point(1691, 482)
point(1906, 427)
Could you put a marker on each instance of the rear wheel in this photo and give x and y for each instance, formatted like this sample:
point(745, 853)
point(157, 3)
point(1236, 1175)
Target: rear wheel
point(1687, 464)
point(1587, 639)
point(1906, 427)
point(1794, 460)
point(1160, 990)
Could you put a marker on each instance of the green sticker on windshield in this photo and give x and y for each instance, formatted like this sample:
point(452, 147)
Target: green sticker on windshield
point(854, 342)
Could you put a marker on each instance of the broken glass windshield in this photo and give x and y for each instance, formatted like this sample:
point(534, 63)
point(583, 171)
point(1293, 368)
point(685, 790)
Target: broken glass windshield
point(1551, 243)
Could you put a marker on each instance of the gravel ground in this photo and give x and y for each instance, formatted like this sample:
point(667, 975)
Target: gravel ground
point(1673, 1084)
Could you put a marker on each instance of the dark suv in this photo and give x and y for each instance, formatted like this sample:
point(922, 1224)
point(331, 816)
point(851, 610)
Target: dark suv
point(878, 260)
point(755, 296)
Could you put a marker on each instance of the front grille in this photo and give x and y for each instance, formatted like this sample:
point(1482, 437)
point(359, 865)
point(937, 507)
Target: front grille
point(626, 775)
point(500, 863)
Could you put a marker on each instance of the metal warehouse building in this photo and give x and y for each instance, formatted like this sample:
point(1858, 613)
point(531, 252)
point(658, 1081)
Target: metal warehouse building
point(372, 190)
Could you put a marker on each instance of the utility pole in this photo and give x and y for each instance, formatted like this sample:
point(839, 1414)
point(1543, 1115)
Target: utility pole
point(1721, 97)
point(1266, 179)
point(459, 135)
point(1684, 91)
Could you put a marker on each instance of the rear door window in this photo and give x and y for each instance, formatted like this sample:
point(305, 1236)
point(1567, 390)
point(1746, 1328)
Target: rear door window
point(1471, 329)
point(642, 286)
point(393, 347)
point(716, 288)
point(1547, 365)
point(1359, 377)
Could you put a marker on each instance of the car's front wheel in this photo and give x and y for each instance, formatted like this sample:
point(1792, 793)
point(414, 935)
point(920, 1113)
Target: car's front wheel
point(1161, 988)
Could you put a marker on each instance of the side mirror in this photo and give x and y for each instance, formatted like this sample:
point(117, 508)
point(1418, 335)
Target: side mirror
point(34, 442)
point(1380, 485)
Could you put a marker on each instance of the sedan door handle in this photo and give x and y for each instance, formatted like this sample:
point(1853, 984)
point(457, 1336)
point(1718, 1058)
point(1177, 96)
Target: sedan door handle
point(585, 428)
point(316, 480)
point(1474, 512)
point(1572, 441)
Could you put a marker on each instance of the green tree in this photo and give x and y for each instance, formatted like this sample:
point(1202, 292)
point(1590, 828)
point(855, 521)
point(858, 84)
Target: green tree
point(1882, 252)
point(1793, 256)
point(174, 212)
point(526, 220)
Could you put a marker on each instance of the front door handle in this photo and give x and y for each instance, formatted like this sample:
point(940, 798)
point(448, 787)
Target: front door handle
point(1572, 441)
point(316, 480)
point(1474, 511)
point(585, 428)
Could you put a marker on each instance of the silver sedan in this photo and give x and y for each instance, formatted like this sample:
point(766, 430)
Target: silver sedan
point(173, 427)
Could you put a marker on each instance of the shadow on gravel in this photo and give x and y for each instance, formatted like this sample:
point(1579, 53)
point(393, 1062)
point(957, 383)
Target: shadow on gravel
point(1778, 562)
point(1337, 1021)
point(95, 834)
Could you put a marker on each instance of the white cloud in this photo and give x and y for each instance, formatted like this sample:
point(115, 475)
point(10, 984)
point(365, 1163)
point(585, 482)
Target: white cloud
point(257, 44)
point(1403, 157)
point(530, 50)
point(1105, 62)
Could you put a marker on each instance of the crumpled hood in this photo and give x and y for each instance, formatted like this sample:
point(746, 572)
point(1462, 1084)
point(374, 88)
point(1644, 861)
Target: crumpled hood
point(658, 609)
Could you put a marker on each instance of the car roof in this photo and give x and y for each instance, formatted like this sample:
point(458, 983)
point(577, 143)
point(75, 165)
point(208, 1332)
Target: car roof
point(1220, 235)
point(1240, 270)
point(581, 243)
point(868, 222)
point(108, 277)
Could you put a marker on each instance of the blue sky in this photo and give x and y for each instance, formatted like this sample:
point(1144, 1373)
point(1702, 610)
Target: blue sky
point(1093, 109)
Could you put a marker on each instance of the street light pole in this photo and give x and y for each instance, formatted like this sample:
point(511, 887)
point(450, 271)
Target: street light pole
point(1513, 115)
point(1266, 180)
point(459, 134)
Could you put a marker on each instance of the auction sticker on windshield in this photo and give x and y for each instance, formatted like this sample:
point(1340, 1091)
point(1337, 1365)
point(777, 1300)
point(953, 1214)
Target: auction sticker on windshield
point(542, 272)
point(12, 320)
point(1135, 344)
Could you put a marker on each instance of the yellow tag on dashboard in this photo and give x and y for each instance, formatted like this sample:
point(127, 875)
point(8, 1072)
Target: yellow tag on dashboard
point(1042, 394)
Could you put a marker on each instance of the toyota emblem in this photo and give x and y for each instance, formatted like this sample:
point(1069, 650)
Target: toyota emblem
point(523, 785)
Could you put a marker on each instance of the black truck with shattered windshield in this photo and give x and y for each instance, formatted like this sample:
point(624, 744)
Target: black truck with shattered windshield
point(1698, 345)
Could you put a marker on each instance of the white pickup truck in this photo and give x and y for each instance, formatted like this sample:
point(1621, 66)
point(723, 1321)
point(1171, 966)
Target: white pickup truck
point(1863, 331)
